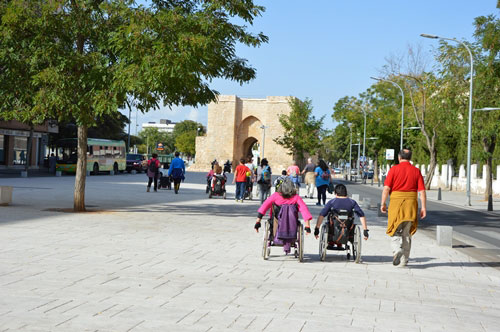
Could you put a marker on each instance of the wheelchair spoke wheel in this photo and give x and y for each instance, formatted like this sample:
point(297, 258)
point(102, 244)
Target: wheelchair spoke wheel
point(323, 242)
point(356, 246)
point(301, 242)
point(265, 242)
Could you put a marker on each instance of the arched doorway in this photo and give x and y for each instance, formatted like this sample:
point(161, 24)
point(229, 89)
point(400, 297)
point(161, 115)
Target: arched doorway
point(251, 148)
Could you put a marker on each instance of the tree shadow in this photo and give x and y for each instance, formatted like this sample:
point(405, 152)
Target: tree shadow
point(454, 264)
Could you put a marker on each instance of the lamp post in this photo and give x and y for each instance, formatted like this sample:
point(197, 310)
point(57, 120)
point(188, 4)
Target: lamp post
point(364, 135)
point(402, 106)
point(263, 139)
point(469, 129)
point(350, 151)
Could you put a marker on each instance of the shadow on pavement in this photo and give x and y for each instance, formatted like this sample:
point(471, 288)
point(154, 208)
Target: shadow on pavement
point(454, 264)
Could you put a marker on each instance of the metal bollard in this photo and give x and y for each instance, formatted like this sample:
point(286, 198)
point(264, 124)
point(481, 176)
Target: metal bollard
point(490, 202)
point(88, 173)
point(439, 193)
point(58, 173)
point(372, 181)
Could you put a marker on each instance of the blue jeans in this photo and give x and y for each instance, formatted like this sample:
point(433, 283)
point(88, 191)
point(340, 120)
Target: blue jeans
point(240, 190)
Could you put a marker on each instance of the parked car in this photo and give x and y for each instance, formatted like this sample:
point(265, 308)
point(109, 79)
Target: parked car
point(368, 174)
point(354, 171)
point(135, 162)
point(337, 171)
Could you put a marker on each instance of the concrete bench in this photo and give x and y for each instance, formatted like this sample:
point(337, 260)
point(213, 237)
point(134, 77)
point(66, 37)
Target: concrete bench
point(5, 195)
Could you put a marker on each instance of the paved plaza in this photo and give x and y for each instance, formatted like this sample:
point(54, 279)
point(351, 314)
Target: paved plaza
point(164, 262)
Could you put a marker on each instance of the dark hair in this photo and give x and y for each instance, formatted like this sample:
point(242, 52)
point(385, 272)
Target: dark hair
point(177, 154)
point(405, 154)
point(323, 165)
point(263, 162)
point(283, 172)
point(242, 160)
point(249, 159)
point(340, 190)
point(154, 155)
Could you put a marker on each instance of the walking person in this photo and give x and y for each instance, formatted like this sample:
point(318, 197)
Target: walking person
point(403, 183)
point(153, 171)
point(293, 171)
point(176, 171)
point(310, 178)
point(322, 174)
point(240, 177)
point(264, 179)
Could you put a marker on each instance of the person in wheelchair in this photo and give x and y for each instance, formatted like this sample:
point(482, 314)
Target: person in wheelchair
point(340, 203)
point(286, 194)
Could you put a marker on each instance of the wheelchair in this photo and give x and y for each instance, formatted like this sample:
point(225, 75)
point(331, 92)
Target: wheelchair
point(270, 230)
point(339, 228)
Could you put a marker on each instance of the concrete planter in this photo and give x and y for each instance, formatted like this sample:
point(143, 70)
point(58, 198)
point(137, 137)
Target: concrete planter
point(5, 195)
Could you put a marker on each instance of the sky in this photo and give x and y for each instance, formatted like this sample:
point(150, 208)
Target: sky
point(327, 49)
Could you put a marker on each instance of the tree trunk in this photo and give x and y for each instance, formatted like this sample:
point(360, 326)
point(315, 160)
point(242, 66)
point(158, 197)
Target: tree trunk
point(375, 167)
point(432, 168)
point(81, 170)
point(489, 148)
point(29, 148)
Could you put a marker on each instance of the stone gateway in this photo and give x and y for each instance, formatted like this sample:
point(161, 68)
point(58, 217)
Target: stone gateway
point(238, 125)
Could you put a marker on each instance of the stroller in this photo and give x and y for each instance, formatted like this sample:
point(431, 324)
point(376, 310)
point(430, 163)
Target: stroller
point(165, 181)
point(274, 235)
point(339, 228)
point(218, 186)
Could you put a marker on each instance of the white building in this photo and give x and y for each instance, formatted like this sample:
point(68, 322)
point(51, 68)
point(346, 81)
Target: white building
point(165, 126)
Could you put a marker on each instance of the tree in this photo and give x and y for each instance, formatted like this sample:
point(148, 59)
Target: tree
point(486, 52)
point(186, 142)
point(152, 136)
point(301, 129)
point(188, 126)
point(83, 59)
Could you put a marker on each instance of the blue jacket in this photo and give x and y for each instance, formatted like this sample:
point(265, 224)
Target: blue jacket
point(177, 163)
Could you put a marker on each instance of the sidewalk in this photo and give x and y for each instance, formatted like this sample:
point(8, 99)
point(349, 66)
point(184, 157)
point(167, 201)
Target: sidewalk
point(165, 262)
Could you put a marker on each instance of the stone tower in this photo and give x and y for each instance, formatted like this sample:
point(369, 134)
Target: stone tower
point(235, 125)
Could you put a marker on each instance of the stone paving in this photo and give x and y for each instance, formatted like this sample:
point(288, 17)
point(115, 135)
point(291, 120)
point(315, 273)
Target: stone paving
point(164, 262)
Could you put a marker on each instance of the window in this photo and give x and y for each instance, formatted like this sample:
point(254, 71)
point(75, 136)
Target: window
point(90, 150)
point(20, 150)
point(2, 149)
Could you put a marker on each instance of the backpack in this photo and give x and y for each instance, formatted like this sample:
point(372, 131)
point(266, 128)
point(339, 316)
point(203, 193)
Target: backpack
point(279, 181)
point(325, 175)
point(266, 175)
point(341, 225)
point(288, 219)
point(152, 166)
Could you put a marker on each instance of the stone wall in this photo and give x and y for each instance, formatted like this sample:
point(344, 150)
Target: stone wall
point(234, 125)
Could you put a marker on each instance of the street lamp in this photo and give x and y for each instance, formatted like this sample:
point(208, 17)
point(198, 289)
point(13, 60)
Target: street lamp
point(402, 106)
point(263, 139)
point(350, 150)
point(469, 130)
point(364, 134)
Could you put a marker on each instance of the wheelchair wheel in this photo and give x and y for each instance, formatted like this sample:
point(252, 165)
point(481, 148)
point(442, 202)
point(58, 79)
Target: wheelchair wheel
point(356, 245)
point(301, 243)
point(265, 243)
point(323, 242)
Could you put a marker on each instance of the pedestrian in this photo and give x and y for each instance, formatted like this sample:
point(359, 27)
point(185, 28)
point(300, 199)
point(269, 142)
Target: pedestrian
point(251, 177)
point(240, 177)
point(264, 179)
point(153, 172)
point(52, 163)
point(293, 171)
point(310, 178)
point(176, 171)
point(403, 183)
point(279, 180)
point(322, 181)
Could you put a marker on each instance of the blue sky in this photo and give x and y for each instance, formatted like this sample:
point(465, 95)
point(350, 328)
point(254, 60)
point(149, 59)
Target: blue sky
point(327, 49)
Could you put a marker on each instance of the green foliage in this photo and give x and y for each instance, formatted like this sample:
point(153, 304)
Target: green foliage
point(185, 143)
point(302, 130)
point(150, 137)
point(189, 126)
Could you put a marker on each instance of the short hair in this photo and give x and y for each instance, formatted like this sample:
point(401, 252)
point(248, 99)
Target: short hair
point(154, 155)
point(242, 160)
point(405, 154)
point(177, 154)
point(287, 188)
point(309, 160)
point(249, 159)
point(218, 169)
point(283, 172)
point(340, 190)
point(264, 162)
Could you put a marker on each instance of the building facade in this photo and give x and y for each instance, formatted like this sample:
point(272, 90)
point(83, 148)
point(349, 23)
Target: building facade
point(14, 143)
point(165, 125)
